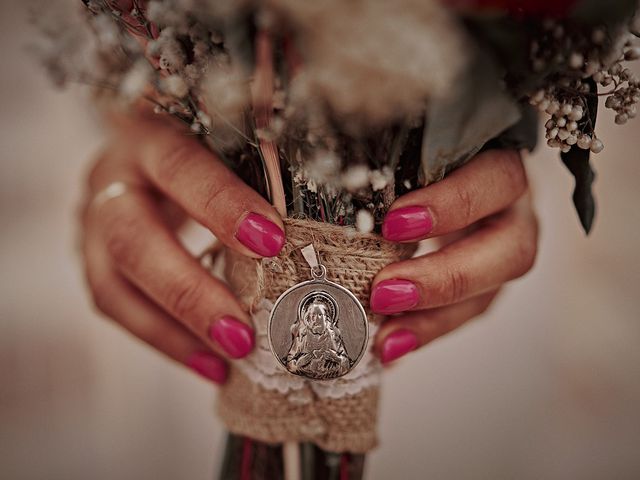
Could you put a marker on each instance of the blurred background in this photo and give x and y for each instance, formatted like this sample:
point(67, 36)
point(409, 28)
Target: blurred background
point(545, 385)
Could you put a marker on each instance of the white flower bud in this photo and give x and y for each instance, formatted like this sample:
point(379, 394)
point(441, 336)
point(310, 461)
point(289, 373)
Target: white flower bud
point(576, 60)
point(584, 142)
point(632, 54)
point(565, 148)
point(572, 126)
point(576, 113)
point(563, 134)
point(538, 96)
point(355, 177)
point(572, 140)
point(566, 108)
point(380, 178)
point(612, 102)
point(553, 133)
point(364, 221)
point(204, 118)
point(561, 122)
point(543, 105)
point(553, 107)
point(596, 145)
point(621, 118)
point(632, 111)
point(550, 124)
point(175, 85)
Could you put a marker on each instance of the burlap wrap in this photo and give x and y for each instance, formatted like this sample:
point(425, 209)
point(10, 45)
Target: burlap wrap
point(336, 424)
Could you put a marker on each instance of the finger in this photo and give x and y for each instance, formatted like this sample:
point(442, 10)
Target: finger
point(146, 252)
point(401, 335)
point(119, 300)
point(197, 180)
point(503, 248)
point(488, 184)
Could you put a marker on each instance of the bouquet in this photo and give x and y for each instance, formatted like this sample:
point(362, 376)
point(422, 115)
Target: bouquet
point(331, 110)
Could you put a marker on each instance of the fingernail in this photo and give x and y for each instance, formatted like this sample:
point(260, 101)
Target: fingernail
point(234, 336)
point(393, 296)
point(260, 235)
point(397, 344)
point(409, 223)
point(209, 366)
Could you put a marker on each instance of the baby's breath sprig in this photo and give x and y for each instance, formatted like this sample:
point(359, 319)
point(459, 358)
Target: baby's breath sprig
point(570, 59)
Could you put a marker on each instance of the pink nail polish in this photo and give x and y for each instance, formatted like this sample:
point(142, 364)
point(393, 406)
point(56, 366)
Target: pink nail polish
point(209, 366)
point(260, 235)
point(394, 296)
point(409, 223)
point(234, 336)
point(397, 344)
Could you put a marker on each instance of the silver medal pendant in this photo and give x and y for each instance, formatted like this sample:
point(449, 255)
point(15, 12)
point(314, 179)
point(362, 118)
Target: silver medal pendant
point(317, 328)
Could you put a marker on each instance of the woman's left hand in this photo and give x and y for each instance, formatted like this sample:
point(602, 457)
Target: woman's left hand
point(488, 206)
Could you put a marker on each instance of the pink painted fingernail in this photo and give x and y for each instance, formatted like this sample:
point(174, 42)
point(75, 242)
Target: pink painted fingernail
point(394, 296)
point(234, 336)
point(260, 235)
point(397, 344)
point(209, 366)
point(409, 223)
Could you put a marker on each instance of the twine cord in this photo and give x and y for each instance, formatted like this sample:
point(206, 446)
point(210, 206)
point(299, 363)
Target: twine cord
point(344, 424)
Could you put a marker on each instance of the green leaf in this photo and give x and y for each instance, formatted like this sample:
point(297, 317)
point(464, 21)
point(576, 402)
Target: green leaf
point(577, 161)
point(522, 135)
point(477, 109)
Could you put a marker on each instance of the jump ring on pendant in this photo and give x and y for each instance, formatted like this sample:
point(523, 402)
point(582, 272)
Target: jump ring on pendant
point(318, 272)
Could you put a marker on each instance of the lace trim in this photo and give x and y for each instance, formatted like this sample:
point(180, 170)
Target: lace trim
point(262, 368)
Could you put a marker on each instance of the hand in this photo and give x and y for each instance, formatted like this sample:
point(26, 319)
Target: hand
point(487, 205)
point(138, 272)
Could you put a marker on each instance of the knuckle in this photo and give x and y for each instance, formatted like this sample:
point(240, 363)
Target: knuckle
point(121, 237)
point(214, 197)
point(456, 286)
point(184, 296)
point(466, 204)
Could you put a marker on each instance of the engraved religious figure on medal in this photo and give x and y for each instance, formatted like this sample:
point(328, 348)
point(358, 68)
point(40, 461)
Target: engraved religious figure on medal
point(317, 349)
point(317, 328)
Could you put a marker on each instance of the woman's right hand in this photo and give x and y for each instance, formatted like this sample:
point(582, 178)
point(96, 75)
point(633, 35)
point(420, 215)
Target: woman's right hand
point(138, 272)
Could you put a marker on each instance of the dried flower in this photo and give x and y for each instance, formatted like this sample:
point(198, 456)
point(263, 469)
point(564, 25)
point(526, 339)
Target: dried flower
point(383, 66)
point(135, 80)
point(175, 85)
point(364, 221)
point(355, 178)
